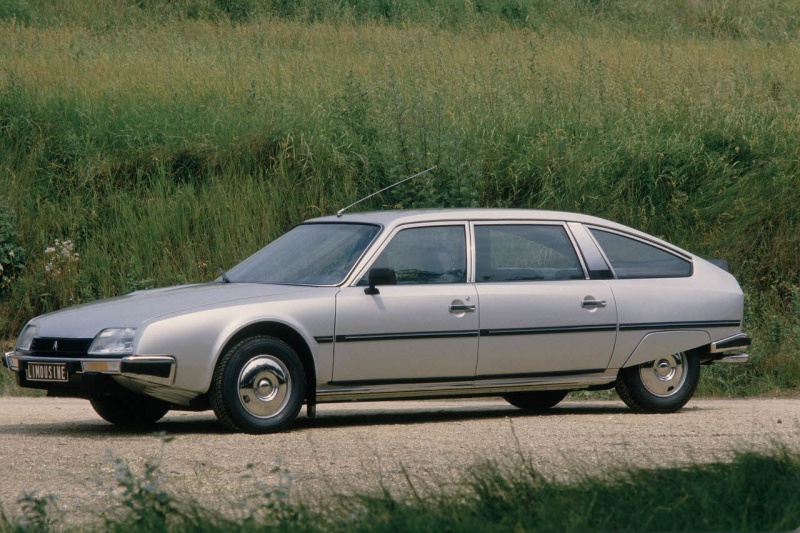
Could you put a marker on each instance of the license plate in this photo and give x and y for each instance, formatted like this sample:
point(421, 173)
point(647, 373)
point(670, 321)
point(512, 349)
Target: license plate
point(46, 372)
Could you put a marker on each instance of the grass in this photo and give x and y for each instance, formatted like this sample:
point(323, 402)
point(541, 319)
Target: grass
point(166, 139)
point(753, 492)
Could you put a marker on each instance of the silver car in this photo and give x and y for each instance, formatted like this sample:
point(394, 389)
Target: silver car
point(523, 304)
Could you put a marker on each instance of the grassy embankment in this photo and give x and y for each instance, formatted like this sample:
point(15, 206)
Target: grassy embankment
point(753, 492)
point(165, 139)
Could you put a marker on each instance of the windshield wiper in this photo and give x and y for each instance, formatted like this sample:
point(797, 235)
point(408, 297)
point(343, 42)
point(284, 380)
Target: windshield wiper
point(224, 276)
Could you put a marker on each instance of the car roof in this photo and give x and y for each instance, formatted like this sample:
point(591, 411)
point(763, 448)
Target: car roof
point(397, 217)
point(407, 216)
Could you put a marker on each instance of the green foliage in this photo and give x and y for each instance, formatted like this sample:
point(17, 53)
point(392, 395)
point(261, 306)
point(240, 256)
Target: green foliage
point(146, 505)
point(773, 319)
point(16, 11)
point(38, 512)
point(752, 492)
point(12, 255)
point(165, 139)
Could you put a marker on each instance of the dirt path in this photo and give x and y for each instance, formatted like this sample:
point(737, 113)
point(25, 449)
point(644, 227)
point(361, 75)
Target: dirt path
point(61, 446)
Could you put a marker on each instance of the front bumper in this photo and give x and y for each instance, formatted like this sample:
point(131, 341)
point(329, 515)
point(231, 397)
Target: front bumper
point(157, 369)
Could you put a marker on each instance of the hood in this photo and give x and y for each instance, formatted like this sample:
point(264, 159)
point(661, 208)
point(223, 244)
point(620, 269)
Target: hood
point(86, 320)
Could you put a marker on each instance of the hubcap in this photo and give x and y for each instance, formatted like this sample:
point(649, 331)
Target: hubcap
point(665, 376)
point(264, 386)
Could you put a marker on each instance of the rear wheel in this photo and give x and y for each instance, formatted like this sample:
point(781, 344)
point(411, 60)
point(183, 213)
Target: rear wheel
point(127, 409)
point(258, 386)
point(660, 386)
point(536, 400)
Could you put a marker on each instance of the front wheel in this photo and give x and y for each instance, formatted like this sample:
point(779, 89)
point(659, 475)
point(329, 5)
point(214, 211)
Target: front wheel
point(258, 386)
point(660, 386)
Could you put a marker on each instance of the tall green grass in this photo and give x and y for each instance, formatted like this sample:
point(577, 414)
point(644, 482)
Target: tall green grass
point(753, 492)
point(166, 139)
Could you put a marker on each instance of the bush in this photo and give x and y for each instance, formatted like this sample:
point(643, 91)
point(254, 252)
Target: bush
point(12, 255)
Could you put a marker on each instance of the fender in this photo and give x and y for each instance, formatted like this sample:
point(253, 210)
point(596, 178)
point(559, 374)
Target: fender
point(661, 343)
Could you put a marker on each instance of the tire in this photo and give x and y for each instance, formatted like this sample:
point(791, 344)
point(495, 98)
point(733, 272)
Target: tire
point(661, 386)
point(129, 410)
point(536, 400)
point(258, 386)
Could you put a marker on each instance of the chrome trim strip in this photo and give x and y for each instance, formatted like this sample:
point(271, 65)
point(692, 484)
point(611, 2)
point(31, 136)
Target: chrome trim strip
point(734, 342)
point(334, 393)
point(738, 358)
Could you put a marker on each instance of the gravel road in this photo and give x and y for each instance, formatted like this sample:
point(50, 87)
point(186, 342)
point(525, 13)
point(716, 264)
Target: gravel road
point(60, 446)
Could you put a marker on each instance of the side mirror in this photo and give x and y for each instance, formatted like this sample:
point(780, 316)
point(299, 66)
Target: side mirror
point(380, 276)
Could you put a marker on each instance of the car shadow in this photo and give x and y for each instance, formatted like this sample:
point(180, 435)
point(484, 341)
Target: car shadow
point(206, 424)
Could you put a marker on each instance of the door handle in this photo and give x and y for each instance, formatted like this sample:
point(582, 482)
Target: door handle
point(593, 304)
point(462, 308)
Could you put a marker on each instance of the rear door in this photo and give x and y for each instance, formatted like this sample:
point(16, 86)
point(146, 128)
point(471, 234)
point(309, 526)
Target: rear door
point(539, 312)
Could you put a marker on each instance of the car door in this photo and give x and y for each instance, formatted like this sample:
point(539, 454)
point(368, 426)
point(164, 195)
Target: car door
point(539, 314)
point(424, 327)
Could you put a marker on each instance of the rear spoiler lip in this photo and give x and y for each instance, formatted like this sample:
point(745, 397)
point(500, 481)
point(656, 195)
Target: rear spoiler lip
point(719, 263)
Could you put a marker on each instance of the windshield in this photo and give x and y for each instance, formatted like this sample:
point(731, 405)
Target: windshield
point(310, 254)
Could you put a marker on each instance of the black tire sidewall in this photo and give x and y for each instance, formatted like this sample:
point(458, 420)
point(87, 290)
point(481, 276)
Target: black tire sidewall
point(225, 395)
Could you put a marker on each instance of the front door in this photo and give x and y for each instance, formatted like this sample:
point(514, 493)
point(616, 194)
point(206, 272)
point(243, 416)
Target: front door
point(422, 329)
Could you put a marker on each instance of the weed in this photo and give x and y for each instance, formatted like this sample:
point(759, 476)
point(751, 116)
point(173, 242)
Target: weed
point(752, 492)
point(39, 513)
point(12, 255)
point(170, 138)
point(145, 504)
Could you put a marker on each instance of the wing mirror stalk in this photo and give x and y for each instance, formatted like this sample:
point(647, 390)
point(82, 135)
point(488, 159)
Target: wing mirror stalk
point(380, 276)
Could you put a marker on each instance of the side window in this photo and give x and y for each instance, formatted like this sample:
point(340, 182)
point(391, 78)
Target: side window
point(517, 252)
point(436, 254)
point(632, 259)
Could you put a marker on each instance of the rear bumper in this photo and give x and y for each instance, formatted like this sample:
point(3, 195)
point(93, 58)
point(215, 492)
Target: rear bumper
point(157, 369)
point(721, 348)
point(740, 341)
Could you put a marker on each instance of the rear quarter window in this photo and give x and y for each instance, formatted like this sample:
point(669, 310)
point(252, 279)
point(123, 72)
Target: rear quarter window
point(634, 259)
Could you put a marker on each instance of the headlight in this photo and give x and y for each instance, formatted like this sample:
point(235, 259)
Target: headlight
point(113, 341)
point(26, 338)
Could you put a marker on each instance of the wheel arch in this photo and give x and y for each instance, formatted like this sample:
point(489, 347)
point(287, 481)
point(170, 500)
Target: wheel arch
point(287, 334)
point(661, 343)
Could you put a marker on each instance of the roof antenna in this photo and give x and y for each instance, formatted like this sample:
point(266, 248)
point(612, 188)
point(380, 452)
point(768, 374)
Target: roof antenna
point(342, 210)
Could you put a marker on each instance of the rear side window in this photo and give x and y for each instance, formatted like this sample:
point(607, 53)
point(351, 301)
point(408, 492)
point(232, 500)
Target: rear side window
point(522, 252)
point(633, 259)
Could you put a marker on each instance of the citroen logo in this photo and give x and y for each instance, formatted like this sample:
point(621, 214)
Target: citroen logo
point(55, 346)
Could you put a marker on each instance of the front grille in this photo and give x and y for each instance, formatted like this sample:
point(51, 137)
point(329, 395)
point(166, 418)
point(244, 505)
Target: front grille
point(52, 347)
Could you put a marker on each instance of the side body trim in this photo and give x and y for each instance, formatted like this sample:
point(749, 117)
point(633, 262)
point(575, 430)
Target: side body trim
point(489, 385)
point(527, 331)
point(679, 325)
